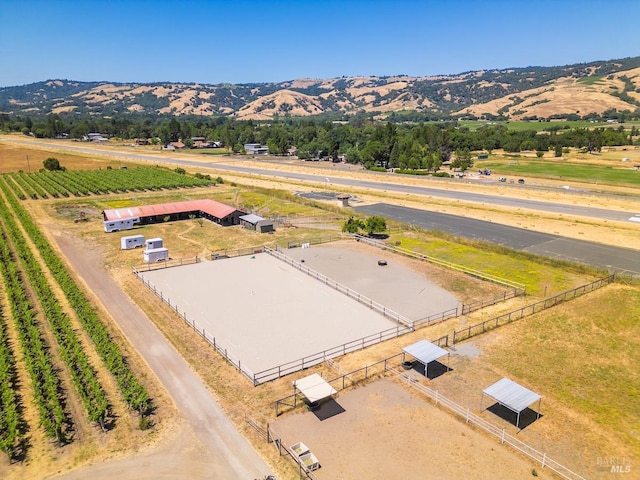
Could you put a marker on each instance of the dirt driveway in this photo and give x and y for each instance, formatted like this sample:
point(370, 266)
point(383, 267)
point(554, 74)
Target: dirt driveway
point(204, 443)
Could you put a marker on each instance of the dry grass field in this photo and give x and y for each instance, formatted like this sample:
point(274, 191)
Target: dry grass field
point(581, 357)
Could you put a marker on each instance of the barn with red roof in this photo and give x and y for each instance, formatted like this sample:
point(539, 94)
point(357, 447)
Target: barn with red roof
point(117, 219)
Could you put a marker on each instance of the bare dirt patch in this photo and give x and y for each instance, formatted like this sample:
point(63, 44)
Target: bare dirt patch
point(386, 432)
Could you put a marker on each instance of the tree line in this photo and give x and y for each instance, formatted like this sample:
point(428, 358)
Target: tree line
point(425, 146)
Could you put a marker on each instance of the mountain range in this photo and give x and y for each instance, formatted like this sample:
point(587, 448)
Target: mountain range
point(514, 93)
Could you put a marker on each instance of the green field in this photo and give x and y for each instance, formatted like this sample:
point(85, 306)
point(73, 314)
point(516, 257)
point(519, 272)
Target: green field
point(562, 171)
point(518, 126)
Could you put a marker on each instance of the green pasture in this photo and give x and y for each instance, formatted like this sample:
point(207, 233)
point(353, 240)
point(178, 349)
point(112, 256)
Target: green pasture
point(537, 274)
point(518, 126)
point(590, 80)
point(562, 171)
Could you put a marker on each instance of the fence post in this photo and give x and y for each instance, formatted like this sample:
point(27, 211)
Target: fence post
point(544, 459)
point(502, 438)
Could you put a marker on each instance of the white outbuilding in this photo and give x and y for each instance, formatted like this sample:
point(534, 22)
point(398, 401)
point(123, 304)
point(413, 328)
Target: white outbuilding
point(156, 255)
point(132, 241)
point(154, 243)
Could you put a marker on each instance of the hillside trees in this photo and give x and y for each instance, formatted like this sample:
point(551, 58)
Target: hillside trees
point(374, 144)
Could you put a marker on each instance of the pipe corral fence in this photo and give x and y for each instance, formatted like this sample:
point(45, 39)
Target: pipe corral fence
point(387, 367)
point(505, 318)
point(403, 326)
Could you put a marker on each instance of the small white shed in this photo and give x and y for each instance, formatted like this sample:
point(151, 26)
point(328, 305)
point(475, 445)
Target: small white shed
point(154, 243)
point(156, 255)
point(132, 241)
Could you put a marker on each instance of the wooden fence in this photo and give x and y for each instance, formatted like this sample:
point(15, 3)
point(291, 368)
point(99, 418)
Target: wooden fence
point(527, 310)
point(389, 365)
point(334, 352)
point(363, 299)
point(518, 287)
point(173, 262)
point(471, 418)
point(211, 340)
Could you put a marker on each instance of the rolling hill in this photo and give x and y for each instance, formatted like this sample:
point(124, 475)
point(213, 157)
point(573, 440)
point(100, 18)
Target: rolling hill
point(516, 93)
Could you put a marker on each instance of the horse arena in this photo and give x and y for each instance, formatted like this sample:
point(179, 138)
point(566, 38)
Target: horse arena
point(264, 312)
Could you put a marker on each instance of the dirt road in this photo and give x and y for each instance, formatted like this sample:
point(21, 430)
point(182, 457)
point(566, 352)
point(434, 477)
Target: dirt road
point(205, 444)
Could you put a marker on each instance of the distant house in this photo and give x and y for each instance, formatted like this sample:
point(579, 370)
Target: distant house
point(94, 137)
point(175, 146)
point(142, 141)
point(256, 149)
point(200, 142)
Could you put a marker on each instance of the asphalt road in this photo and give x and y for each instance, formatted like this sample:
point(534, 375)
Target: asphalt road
point(614, 259)
point(325, 177)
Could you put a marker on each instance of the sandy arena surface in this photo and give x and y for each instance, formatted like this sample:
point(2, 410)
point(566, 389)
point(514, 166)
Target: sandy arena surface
point(267, 313)
point(386, 432)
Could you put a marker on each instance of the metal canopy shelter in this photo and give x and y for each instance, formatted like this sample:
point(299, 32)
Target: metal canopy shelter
point(314, 388)
point(513, 396)
point(426, 352)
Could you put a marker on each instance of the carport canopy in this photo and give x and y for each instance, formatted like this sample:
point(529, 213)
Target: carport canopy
point(314, 388)
point(513, 396)
point(425, 352)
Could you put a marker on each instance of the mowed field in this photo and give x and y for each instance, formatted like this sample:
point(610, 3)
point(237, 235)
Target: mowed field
point(15, 158)
point(581, 357)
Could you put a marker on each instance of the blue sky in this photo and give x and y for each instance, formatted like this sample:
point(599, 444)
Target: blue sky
point(244, 41)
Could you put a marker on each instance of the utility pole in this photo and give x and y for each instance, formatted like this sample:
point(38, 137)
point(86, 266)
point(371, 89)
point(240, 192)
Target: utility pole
point(28, 166)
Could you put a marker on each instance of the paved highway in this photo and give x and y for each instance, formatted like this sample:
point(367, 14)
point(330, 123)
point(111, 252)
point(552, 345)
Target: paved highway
point(322, 177)
point(614, 259)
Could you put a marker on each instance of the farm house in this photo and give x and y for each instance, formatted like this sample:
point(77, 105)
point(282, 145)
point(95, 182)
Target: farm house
point(211, 210)
point(132, 241)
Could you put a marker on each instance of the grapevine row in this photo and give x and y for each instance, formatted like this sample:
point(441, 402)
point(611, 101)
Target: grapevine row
point(83, 182)
point(133, 391)
point(50, 186)
point(71, 350)
point(47, 388)
point(10, 416)
point(21, 188)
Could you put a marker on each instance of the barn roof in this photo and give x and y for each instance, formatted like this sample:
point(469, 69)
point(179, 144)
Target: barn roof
point(211, 207)
point(251, 218)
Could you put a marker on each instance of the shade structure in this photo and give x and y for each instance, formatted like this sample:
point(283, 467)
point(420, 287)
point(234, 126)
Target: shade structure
point(314, 388)
point(513, 396)
point(425, 352)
